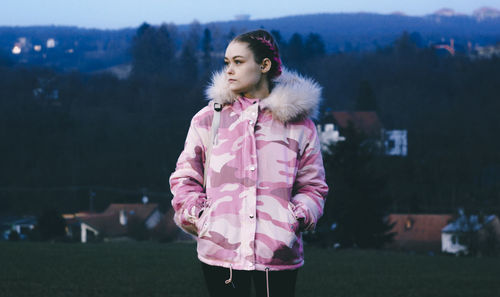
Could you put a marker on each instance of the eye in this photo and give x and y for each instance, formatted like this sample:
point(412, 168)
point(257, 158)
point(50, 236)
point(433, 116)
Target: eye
point(238, 62)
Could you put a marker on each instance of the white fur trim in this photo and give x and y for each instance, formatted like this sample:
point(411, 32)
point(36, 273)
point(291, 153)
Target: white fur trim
point(293, 97)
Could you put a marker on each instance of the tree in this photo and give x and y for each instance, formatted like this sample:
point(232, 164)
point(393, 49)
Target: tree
point(314, 46)
point(188, 64)
point(356, 203)
point(405, 46)
point(152, 51)
point(51, 225)
point(187, 68)
point(136, 229)
point(207, 49)
point(14, 236)
point(279, 40)
point(294, 53)
point(5, 61)
point(366, 100)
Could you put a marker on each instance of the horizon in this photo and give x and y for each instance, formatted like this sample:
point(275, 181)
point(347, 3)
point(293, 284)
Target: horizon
point(129, 14)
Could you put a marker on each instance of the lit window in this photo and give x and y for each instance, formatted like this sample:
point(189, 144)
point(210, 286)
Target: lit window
point(16, 50)
point(408, 224)
point(51, 43)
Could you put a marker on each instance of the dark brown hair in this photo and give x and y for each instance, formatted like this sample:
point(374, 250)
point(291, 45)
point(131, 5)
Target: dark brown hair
point(263, 45)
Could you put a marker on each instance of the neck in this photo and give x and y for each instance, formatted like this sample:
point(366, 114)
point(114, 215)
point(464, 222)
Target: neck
point(260, 90)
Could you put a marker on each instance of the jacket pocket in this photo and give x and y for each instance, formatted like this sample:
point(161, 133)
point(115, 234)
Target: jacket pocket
point(202, 224)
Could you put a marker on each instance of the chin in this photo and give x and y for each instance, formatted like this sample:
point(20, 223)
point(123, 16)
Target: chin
point(236, 90)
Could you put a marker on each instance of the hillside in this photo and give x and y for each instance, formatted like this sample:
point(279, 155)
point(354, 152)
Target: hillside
point(73, 48)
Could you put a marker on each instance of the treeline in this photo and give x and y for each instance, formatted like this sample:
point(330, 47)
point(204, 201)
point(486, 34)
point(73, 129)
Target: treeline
point(68, 136)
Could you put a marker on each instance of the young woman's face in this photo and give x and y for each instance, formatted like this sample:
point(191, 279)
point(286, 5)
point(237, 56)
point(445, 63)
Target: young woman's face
point(243, 73)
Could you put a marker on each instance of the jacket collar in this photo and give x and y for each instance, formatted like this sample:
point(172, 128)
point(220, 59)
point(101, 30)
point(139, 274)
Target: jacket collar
point(293, 98)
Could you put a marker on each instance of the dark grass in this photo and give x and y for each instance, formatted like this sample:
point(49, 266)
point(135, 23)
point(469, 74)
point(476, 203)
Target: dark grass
point(172, 270)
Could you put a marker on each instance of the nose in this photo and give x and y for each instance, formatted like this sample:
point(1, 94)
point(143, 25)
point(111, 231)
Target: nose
point(229, 69)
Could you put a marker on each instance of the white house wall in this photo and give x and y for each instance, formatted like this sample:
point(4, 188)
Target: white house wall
point(447, 245)
point(84, 228)
point(328, 135)
point(153, 219)
point(400, 140)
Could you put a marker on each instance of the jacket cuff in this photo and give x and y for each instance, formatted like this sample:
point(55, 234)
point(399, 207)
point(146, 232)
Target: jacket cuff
point(301, 216)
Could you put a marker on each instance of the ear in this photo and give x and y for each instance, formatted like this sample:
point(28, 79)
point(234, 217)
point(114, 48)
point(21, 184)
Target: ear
point(265, 66)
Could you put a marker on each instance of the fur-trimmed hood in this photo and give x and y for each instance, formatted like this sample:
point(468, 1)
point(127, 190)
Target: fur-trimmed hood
point(293, 97)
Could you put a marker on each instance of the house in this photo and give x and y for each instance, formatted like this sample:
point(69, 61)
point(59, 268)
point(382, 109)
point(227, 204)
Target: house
point(328, 135)
point(457, 236)
point(21, 225)
point(486, 52)
point(367, 122)
point(118, 221)
point(394, 142)
point(418, 232)
point(73, 224)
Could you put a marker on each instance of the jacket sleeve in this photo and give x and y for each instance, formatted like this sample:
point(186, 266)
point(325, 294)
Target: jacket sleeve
point(310, 188)
point(186, 182)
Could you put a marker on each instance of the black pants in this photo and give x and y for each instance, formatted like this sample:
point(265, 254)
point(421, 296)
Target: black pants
point(281, 283)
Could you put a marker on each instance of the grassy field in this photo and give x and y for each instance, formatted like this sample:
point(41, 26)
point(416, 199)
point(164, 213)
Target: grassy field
point(172, 270)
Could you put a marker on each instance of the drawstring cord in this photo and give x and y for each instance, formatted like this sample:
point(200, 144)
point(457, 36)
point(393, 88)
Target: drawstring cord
point(267, 280)
point(230, 280)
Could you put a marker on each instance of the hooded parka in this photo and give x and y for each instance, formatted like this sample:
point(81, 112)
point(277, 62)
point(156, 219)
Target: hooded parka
point(266, 181)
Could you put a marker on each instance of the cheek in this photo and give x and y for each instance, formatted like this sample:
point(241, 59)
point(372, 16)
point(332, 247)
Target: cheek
point(252, 76)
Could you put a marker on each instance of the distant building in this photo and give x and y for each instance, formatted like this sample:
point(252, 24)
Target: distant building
point(16, 50)
point(51, 43)
point(446, 12)
point(366, 122)
point(21, 225)
point(328, 135)
point(450, 48)
point(114, 222)
point(395, 142)
point(455, 235)
point(485, 13)
point(418, 232)
point(486, 52)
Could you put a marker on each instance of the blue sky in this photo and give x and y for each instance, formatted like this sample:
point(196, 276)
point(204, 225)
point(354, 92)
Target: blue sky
point(112, 14)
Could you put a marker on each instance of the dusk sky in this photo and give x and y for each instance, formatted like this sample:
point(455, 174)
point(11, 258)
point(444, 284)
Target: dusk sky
point(131, 13)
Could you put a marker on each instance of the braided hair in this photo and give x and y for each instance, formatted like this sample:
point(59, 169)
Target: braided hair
point(263, 45)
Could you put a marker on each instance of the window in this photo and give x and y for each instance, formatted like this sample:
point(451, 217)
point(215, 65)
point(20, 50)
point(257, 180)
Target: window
point(409, 224)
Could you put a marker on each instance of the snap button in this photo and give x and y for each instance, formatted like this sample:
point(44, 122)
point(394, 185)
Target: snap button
point(252, 168)
point(251, 122)
point(251, 216)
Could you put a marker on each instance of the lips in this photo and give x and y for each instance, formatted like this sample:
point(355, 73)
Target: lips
point(231, 80)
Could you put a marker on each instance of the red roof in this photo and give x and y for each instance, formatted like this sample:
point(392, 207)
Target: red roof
point(141, 211)
point(108, 222)
point(365, 121)
point(418, 231)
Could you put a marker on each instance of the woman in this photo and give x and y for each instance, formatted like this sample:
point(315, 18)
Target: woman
point(265, 181)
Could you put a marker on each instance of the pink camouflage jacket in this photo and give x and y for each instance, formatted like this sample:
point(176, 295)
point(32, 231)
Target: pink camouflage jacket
point(266, 181)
